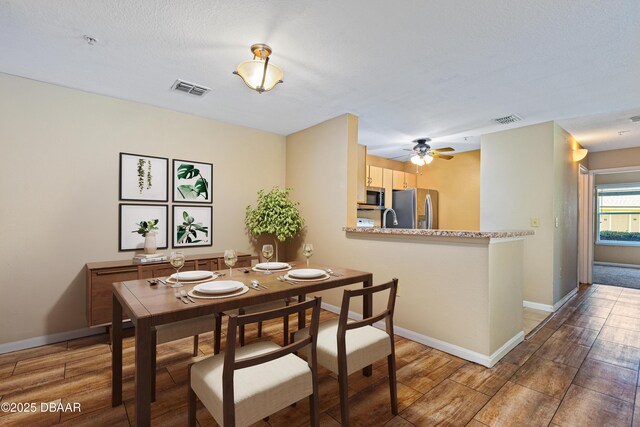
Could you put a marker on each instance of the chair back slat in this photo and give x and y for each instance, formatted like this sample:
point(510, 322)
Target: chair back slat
point(262, 316)
point(366, 322)
point(344, 325)
point(272, 355)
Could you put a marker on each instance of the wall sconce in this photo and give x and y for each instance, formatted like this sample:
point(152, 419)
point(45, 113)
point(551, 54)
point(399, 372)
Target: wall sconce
point(579, 154)
point(258, 73)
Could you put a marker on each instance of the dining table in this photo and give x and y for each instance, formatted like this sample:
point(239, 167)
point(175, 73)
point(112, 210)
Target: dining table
point(148, 305)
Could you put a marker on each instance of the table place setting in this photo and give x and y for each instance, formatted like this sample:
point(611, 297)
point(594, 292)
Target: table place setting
point(219, 289)
point(271, 267)
point(305, 275)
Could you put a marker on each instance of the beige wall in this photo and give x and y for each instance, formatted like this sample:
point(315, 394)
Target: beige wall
point(437, 298)
point(458, 183)
point(528, 172)
point(516, 183)
point(613, 253)
point(565, 208)
point(629, 157)
point(59, 198)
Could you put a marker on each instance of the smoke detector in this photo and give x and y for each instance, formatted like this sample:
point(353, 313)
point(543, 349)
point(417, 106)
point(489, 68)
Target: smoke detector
point(508, 119)
point(189, 88)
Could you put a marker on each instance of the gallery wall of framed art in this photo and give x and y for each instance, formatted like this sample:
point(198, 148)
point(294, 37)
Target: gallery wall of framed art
point(145, 178)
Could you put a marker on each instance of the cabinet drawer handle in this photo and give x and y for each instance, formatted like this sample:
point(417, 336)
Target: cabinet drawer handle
point(104, 273)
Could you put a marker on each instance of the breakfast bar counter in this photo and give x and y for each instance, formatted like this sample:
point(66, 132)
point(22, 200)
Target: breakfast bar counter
point(459, 291)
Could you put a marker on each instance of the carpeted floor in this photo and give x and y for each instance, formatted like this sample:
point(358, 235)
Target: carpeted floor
point(616, 276)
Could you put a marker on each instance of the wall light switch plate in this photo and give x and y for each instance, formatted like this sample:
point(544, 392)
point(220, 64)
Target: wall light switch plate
point(535, 221)
point(557, 222)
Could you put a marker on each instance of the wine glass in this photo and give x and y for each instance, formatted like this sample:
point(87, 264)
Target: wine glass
point(267, 253)
point(307, 251)
point(230, 258)
point(177, 261)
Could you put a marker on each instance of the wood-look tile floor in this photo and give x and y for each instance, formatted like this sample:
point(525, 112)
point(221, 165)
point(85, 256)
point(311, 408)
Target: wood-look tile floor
point(579, 369)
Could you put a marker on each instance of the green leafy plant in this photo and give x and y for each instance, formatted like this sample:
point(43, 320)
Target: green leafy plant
point(141, 175)
point(201, 186)
point(275, 214)
point(188, 230)
point(146, 226)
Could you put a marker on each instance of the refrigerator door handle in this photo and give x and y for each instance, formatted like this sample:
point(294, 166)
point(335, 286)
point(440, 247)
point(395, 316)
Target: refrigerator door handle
point(428, 211)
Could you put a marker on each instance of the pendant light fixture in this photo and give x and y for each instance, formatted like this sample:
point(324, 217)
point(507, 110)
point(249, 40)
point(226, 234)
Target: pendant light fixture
point(258, 73)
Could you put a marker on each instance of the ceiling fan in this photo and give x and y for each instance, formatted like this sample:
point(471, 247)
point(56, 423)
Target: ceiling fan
point(424, 154)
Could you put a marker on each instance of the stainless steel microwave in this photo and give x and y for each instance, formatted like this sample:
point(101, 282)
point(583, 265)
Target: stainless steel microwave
point(374, 198)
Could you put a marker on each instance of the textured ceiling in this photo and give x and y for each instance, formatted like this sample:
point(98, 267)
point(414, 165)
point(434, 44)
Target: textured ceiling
point(407, 68)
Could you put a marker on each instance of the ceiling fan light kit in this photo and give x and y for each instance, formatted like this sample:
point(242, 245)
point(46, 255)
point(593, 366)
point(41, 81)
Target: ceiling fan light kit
point(258, 73)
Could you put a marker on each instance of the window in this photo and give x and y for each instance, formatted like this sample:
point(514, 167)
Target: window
point(618, 214)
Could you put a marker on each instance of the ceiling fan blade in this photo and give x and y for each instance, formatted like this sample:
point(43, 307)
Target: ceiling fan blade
point(399, 157)
point(442, 150)
point(441, 156)
point(407, 149)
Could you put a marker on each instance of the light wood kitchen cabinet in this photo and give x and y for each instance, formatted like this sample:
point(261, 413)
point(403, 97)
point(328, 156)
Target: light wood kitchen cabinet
point(375, 176)
point(101, 275)
point(362, 174)
point(403, 180)
point(398, 180)
point(411, 180)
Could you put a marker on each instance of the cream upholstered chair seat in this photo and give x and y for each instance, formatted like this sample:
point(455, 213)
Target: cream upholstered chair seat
point(259, 390)
point(184, 328)
point(363, 346)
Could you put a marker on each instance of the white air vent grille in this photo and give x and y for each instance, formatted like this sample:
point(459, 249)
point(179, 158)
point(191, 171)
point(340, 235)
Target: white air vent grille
point(635, 119)
point(508, 119)
point(190, 88)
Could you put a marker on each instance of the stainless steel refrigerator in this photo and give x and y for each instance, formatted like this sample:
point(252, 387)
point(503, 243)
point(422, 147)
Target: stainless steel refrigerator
point(415, 208)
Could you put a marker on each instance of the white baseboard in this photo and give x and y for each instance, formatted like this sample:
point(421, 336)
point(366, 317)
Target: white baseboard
point(538, 306)
point(472, 356)
point(550, 308)
point(616, 264)
point(564, 300)
point(50, 339)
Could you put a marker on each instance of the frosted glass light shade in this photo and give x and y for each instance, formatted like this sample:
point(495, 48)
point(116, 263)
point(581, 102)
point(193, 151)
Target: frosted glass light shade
point(428, 159)
point(579, 154)
point(417, 160)
point(252, 72)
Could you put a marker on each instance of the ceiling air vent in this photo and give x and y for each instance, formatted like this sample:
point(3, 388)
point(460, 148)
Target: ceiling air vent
point(508, 119)
point(190, 88)
point(635, 119)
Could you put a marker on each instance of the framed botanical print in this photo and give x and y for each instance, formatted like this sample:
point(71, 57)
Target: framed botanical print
point(192, 181)
point(144, 178)
point(192, 226)
point(136, 220)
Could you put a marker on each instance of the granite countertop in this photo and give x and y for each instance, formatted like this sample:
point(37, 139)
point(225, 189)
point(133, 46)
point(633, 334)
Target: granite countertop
point(441, 233)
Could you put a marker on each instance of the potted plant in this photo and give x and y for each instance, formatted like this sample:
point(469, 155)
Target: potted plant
point(148, 230)
point(275, 214)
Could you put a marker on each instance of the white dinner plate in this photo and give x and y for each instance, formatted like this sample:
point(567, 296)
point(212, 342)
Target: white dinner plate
point(195, 294)
point(306, 273)
point(272, 265)
point(219, 287)
point(192, 275)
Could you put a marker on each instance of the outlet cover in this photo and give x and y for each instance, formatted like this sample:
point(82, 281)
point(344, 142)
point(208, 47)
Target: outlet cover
point(535, 221)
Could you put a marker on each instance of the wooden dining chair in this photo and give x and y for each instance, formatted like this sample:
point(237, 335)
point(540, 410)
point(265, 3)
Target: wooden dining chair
point(262, 307)
point(345, 347)
point(243, 385)
point(178, 330)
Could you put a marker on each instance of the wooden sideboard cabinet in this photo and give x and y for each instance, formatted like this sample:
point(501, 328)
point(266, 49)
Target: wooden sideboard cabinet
point(101, 275)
